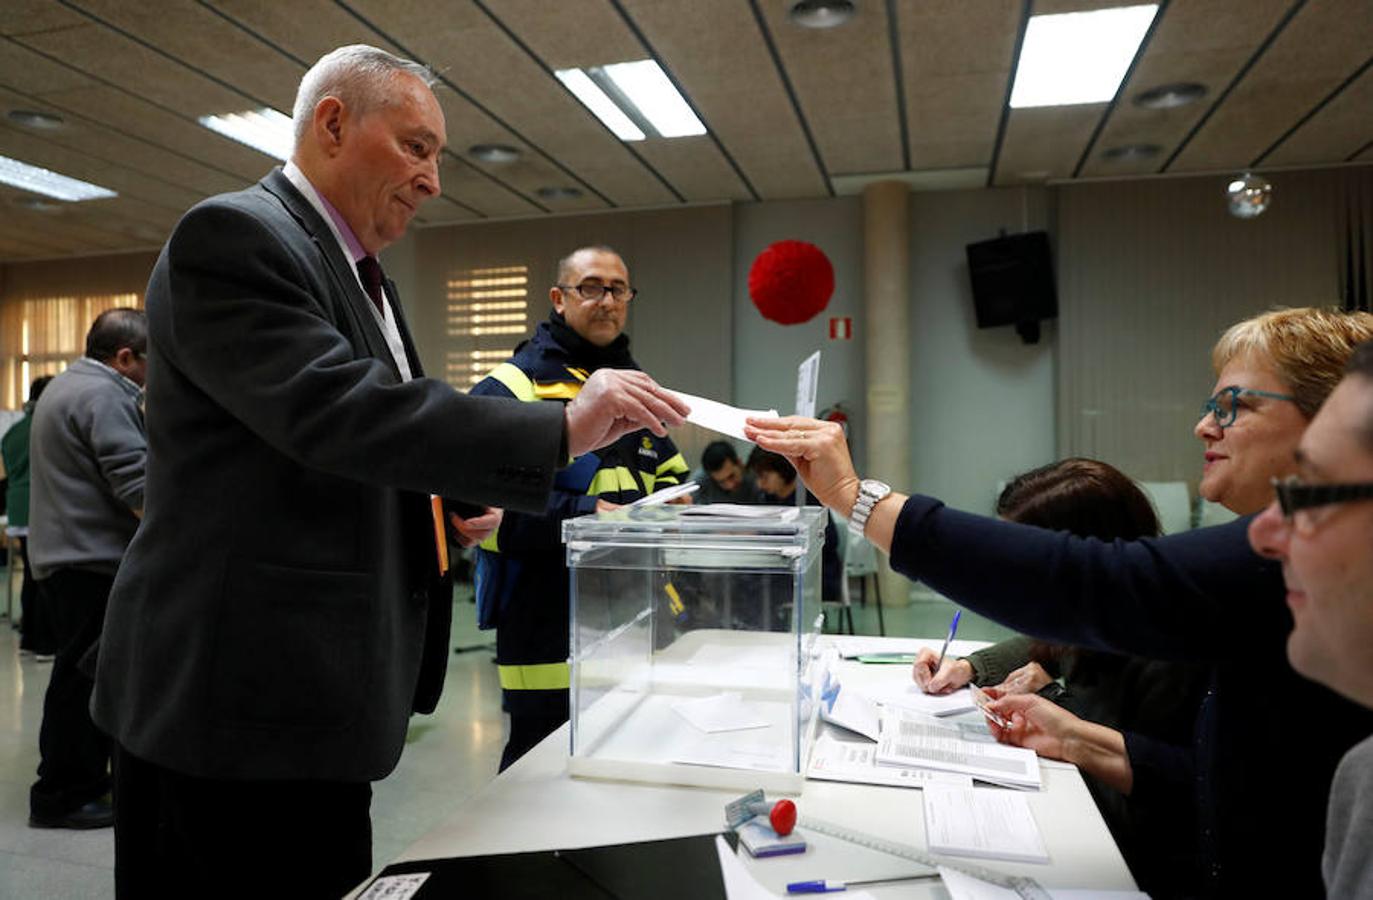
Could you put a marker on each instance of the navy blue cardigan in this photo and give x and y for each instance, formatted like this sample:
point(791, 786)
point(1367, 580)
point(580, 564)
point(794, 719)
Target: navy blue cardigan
point(1267, 740)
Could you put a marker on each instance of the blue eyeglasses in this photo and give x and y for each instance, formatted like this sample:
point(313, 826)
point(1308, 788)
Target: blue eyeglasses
point(1224, 404)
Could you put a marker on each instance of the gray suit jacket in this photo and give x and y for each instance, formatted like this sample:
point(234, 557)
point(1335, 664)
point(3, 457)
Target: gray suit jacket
point(278, 615)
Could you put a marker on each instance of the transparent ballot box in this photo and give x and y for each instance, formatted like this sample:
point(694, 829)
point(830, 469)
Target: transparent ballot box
point(691, 643)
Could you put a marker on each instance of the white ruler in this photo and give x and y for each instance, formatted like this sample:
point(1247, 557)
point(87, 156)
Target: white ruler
point(1027, 888)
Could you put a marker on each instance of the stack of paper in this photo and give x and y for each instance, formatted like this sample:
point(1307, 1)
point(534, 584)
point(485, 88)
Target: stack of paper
point(911, 739)
point(982, 823)
point(906, 695)
point(856, 762)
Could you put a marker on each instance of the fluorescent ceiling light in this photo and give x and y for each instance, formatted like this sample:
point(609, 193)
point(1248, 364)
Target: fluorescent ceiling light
point(262, 129)
point(646, 85)
point(595, 99)
point(634, 99)
point(49, 184)
point(1078, 57)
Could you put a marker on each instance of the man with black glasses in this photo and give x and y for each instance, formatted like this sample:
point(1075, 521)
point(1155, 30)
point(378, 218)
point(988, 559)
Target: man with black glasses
point(521, 577)
point(1319, 529)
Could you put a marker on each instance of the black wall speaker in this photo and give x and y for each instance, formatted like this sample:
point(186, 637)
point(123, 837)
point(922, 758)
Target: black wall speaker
point(1013, 282)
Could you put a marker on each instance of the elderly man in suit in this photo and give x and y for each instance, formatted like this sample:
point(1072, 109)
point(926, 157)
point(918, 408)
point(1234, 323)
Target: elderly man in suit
point(280, 613)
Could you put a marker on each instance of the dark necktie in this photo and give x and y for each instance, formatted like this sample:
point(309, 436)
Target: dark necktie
point(369, 270)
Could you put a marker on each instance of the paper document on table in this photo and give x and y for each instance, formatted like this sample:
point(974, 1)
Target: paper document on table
point(721, 417)
point(913, 739)
point(907, 695)
point(982, 823)
point(962, 886)
point(856, 763)
point(720, 712)
point(850, 709)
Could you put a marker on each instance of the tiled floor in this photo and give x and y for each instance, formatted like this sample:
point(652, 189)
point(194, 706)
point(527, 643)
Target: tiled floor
point(448, 756)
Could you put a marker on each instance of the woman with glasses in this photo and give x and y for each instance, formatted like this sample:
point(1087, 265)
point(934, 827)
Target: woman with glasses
point(1201, 595)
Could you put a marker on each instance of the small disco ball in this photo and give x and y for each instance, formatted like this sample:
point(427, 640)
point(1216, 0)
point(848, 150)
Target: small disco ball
point(1249, 195)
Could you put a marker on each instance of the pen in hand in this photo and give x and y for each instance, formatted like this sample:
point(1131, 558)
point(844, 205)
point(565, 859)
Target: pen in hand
point(953, 629)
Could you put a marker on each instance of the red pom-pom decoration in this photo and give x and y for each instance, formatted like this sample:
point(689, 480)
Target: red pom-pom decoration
point(790, 282)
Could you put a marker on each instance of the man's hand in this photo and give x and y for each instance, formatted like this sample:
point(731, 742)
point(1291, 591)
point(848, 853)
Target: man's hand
point(606, 506)
point(614, 402)
point(952, 674)
point(1027, 679)
point(478, 528)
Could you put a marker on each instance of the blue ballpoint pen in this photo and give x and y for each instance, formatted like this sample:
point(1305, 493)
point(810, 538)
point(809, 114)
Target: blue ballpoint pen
point(953, 629)
point(831, 887)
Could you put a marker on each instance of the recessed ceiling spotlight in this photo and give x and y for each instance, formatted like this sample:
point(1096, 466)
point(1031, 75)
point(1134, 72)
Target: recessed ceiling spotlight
point(821, 13)
point(1131, 152)
point(494, 153)
point(1171, 96)
point(31, 118)
point(558, 192)
point(1248, 195)
point(36, 204)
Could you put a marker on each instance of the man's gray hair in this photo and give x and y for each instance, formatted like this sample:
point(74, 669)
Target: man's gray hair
point(357, 75)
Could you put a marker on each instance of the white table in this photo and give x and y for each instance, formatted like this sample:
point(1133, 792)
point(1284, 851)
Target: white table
point(535, 805)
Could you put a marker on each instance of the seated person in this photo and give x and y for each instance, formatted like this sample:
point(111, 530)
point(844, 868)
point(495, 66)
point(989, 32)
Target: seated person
point(723, 478)
point(777, 484)
point(1154, 703)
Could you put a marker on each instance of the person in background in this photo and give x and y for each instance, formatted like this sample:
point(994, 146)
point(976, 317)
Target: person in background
point(1201, 595)
point(521, 575)
point(36, 635)
point(723, 478)
point(1318, 529)
point(88, 471)
point(1151, 705)
point(776, 480)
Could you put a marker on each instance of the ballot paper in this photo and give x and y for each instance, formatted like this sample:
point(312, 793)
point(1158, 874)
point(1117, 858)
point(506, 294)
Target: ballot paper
point(982, 823)
point(962, 886)
point(766, 755)
point(727, 711)
point(743, 511)
point(856, 763)
point(855, 712)
point(913, 739)
point(908, 695)
point(721, 417)
point(667, 495)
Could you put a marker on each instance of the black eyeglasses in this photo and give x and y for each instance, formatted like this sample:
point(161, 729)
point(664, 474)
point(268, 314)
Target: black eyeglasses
point(593, 292)
point(1224, 404)
point(1295, 497)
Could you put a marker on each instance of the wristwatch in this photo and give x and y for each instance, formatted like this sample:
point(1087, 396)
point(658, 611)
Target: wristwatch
point(870, 493)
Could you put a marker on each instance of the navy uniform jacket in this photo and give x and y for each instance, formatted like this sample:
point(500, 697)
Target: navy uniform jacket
point(521, 572)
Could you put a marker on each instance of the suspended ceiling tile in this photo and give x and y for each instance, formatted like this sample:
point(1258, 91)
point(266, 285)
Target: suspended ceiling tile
point(30, 16)
point(473, 52)
point(76, 164)
point(82, 135)
point(1320, 47)
point(715, 49)
point(103, 53)
point(306, 29)
point(1338, 130)
point(469, 186)
point(695, 166)
point(1202, 41)
point(25, 70)
point(1366, 155)
point(956, 64)
point(846, 86)
point(1045, 142)
point(443, 209)
point(207, 43)
point(122, 112)
point(562, 41)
